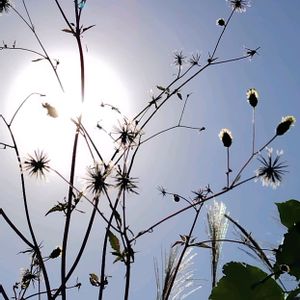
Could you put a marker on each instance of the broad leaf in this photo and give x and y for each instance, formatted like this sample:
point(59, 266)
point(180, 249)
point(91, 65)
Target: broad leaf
point(245, 282)
point(114, 242)
point(289, 212)
point(293, 295)
point(288, 252)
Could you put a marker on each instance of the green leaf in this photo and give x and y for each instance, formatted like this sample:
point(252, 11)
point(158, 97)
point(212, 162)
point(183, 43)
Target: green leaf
point(293, 294)
point(59, 207)
point(114, 242)
point(288, 252)
point(289, 212)
point(245, 282)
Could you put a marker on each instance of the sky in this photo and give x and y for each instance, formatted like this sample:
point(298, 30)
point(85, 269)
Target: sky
point(129, 52)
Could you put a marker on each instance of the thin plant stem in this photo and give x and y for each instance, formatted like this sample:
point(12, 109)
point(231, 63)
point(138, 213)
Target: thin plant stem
point(168, 129)
point(47, 57)
point(28, 219)
point(228, 167)
point(24, 49)
point(253, 130)
point(104, 247)
point(74, 156)
point(2, 291)
point(180, 211)
point(15, 229)
point(22, 103)
point(248, 236)
point(185, 247)
point(237, 177)
point(82, 247)
point(222, 33)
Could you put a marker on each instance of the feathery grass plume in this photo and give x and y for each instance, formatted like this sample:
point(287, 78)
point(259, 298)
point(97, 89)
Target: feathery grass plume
point(184, 284)
point(37, 164)
point(217, 229)
point(4, 6)
point(271, 171)
point(239, 5)
point(179, 58)
point(285, 124)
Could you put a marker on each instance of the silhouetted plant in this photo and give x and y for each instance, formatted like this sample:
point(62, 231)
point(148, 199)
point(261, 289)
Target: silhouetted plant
point(109, 182)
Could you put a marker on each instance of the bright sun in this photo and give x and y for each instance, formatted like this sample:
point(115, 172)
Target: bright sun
point(106, 101)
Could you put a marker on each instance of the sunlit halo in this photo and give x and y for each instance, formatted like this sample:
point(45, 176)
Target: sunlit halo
point(106, 101)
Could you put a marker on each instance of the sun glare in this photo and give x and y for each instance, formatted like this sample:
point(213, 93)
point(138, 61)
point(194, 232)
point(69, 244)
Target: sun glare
point(106, 101)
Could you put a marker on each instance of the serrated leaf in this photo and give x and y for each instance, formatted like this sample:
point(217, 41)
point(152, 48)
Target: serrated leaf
point(289, 212)
point(243, 281)
point(288, 252)
point(87, 28)
point(114, 242)
point(58, 207)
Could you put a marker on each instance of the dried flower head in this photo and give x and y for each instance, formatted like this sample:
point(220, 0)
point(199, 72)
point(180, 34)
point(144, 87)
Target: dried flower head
point(194, 60)
point(220, 22)
point(4, 5)
point(252, 96)
point(37, 164)
point(239, 5)
point(51, 110)
point(127, 133)
point(179, 58)
point(55, 253)
point(124, 182)
point(271, 171)
point(27, 277)
point(96, 180)
point(285, 124)
point(226, 137)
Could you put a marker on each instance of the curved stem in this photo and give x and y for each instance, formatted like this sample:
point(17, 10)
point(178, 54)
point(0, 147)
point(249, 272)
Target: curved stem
point(47, 57)
point(28, 219)
point(20, 106)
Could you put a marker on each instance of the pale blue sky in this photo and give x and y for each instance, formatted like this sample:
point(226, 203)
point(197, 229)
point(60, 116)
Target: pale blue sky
point(136, 39)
